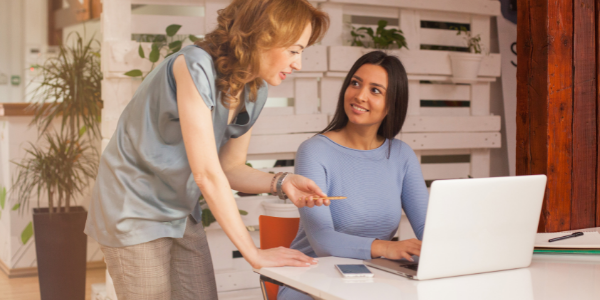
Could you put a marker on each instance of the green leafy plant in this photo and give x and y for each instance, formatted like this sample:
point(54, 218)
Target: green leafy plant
point(473, 42)
point(71, 84)
point(207, 216)
point(60, 168)
point(381, 38)
point(59, 171)
point(164, 45)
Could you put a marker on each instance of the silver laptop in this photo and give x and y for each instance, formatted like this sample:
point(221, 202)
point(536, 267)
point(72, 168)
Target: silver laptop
point(475, 226)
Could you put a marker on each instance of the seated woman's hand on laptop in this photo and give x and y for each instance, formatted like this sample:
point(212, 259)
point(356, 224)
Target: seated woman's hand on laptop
point(303, 191)
point(396, 249)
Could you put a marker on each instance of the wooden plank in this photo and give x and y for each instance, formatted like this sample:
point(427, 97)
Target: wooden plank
point(280, 143)
point(480, 102)
point(451, 124)
point(278, 169)
point(491, 8)
point(414, 98)
point(330, 91)
point(445, 111)
point(445, 171)
point(480, 163)
point(442, 37)
point(289, 124)
point(458, 140)
point(210, 13)
point(314, 59)
point(545, 102)
point(583, 202)
point(334, 35)
point(480, 25)
point(54, 35)
point(283, 156)
point(170, 2)
point(560, 113)
point(410, 24)
point(276, 111)
point(341, 59)
point(444, 92)
point(445, 152)
point(284, 90)
point(306, 96)
point(370, 11)
point(432, 15)
point(597, 114)
point(154, 24)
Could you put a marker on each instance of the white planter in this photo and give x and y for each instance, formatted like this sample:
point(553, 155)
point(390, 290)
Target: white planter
point(277, 208)
point(465, 66)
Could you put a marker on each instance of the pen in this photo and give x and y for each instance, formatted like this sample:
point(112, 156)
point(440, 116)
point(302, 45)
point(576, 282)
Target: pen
point(574, 234)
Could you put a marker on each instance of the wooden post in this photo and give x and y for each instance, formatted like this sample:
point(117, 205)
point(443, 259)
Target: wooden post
point(54, 35)
point(557, 108)
point(583, 211)
point(545, 103)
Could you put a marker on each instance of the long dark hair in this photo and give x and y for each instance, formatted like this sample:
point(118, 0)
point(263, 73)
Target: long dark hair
point(396, 96)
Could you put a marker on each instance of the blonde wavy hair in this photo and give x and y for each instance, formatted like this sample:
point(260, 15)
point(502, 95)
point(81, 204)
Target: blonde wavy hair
point(248, 27)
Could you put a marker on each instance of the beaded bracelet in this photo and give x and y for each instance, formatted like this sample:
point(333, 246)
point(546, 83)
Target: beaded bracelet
point(272, 186)
point(280, 191)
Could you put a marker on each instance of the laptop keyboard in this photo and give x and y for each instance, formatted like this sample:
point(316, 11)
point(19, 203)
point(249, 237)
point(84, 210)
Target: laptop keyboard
point(413, 267)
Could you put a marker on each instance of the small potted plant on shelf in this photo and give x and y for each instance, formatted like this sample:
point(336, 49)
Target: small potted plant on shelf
point(465, 65)
point(380, 38)
point(59, 169)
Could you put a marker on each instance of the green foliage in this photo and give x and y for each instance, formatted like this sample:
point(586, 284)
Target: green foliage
point(2, 197)
point(473, 42)
point(164, 45)
point(27, 233)
point(59, 171)
point(71, 84)
point(207, 216)
point(381, 38)
point(60, 167)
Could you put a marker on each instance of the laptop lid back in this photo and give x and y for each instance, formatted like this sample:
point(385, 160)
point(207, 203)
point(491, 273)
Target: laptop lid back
point(480, 225)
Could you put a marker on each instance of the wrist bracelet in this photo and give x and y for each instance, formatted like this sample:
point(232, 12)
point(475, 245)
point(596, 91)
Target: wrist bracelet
point(280, 192)
point(272, 186)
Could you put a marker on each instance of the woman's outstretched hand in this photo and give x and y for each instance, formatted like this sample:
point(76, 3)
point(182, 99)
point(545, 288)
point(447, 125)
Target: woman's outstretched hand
point(303, 191)
point(280, 257)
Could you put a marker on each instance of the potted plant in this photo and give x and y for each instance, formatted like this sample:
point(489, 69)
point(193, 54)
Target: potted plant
point(381, 38)
point(465, 66)
point(60, 168)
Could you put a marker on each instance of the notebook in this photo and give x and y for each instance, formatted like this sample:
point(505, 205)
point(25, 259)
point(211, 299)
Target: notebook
point(589, 240)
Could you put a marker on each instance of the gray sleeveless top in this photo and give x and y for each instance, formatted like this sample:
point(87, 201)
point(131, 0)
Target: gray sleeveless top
point(145, 189)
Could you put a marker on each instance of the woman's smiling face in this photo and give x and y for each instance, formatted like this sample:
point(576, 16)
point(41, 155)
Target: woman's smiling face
point(365, 97)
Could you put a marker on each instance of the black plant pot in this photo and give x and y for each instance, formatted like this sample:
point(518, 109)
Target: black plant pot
point(61, 246)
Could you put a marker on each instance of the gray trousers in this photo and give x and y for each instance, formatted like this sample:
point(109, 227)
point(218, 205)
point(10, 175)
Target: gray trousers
point(164, 269)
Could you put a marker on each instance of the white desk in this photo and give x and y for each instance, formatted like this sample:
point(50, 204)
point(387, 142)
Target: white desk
point(549, 277)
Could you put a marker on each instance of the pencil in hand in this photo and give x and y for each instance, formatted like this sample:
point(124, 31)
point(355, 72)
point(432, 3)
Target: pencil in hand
point(331, 198)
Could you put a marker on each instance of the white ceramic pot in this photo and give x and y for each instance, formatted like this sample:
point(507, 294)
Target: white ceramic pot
point(277, 208)
point(465, 66)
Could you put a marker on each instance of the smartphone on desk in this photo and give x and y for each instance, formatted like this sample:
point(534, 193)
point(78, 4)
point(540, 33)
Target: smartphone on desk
point(354, 270)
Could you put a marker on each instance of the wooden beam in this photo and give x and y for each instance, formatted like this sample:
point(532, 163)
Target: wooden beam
point(545, 103)
point(54, 36)
point(597, 112)
point(583, 202)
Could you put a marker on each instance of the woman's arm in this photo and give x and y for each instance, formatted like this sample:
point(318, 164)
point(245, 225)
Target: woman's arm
point(248, 180)
point(415, 196)
point(197, 129)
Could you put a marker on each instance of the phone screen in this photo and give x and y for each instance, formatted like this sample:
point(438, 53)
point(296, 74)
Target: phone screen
point(353, 269)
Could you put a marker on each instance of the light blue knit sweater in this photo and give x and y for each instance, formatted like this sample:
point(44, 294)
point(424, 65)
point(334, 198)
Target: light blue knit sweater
point(377, 188)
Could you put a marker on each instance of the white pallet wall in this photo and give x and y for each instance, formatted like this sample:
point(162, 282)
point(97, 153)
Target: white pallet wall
point(315, 90)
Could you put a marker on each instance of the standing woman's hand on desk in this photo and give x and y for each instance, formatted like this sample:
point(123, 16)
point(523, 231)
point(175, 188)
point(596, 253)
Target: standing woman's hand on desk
point(396, 249)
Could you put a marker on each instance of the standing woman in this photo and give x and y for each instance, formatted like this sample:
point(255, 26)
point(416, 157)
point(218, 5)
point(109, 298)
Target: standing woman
point(185, 133)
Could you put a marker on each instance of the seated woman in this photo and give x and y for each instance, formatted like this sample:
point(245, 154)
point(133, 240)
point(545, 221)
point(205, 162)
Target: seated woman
point(358, 156)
